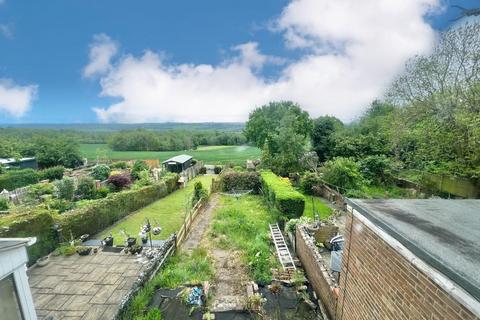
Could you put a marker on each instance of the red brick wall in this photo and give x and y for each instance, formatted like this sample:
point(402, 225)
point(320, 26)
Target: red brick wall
point(313, 264)
point(381, 284)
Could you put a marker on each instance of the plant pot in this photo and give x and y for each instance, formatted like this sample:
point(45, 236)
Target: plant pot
point(108, 241)
point(43, 261)
point(84, 251)
point(131, 241)
point(144, 240)
point(135, 249)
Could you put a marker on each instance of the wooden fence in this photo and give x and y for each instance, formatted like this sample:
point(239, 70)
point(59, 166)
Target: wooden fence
point(188, 221)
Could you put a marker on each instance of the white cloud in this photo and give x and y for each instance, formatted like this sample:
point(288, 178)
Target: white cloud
point(15, 99)
point(351, 51)
point(102, 50)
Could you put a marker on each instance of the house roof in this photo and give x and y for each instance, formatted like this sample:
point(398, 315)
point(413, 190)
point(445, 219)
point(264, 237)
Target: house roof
point(13, 160)
point(11, 243)
point(445, 234)
point(179, 159)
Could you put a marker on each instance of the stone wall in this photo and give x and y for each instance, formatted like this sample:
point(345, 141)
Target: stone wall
point(377, 282)
point(316, 271)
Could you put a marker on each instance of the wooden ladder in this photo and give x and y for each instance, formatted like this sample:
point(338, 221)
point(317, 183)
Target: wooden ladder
point(282, 250)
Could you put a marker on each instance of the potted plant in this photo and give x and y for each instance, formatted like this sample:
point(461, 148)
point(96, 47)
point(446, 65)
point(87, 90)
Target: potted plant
point(108, 241)
point(131, 241)
point(143, 236)
point(136, 248)
point(83, 251)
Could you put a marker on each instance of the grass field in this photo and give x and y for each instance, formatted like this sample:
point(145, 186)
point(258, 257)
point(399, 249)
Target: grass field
point(168, 212)
point(207, 154)
point(324, 211)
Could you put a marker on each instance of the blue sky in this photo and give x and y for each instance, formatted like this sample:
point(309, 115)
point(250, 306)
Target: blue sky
point(45, 46)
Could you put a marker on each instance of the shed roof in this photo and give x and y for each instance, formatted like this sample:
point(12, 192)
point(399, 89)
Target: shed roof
point(443, 233)
point(179, 159)
point(13, 160)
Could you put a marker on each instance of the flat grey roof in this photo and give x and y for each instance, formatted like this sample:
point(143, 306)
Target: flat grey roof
point(443, 233)
point(10, 243)
point(179, 159)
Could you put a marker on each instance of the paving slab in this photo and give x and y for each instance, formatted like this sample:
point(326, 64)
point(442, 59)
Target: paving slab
point(90, 287)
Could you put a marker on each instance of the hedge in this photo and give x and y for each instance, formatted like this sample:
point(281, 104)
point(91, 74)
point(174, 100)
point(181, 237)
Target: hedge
point(38, 224)
point(102, 213)
point(53, 173)
point(282, 195)
point(14, 179)
point(233, 180)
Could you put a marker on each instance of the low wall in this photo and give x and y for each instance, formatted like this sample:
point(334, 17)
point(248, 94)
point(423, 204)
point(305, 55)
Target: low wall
point(316, 271)
point(332, 196)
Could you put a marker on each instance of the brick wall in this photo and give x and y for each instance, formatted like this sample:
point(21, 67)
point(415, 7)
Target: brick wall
point(316, 272)
point(381, 284)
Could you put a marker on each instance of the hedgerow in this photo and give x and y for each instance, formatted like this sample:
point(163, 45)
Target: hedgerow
point(14, 179)
point(234, 180)
point(282, 195)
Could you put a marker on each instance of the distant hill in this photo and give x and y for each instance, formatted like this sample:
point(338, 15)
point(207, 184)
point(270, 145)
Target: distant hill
point(109, 127)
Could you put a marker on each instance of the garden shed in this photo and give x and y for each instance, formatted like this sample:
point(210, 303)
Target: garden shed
point(178, 163)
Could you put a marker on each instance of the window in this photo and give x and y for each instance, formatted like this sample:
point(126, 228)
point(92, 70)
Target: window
point(9, 305)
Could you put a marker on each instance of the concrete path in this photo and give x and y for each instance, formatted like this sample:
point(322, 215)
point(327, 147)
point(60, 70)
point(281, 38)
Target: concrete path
point(83, 287)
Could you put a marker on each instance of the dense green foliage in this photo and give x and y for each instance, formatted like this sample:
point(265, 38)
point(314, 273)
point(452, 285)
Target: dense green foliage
point(65, 188)
point(53, 173)
point(101, 172)
point(138, 167)
point(143, 140)
point(3, 204)
point(279, 192)
point(343, 173)
point(85, 188)
point(281, 129)
point(323, 136)
point(231, 180)
point(14, 179)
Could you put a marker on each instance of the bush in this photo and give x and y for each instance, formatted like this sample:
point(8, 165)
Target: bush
point(138, 167)
point(100, 214)
point(119, 181)
point(119, 165)
point(377, 169)
point(308, 181)
point(101, 172)
point(199, 192)
point(60, 205)
point(14, 179)
point(217, 169)
point(53, 173)
point(171, 180)
point(282, 195)
point(143, 180)
point(37, 224)
point(65, 188)
point(85, 188)
point(343, 173)
point(102, 192)
point(203, 170)
point(3, 204)
point(233, 180)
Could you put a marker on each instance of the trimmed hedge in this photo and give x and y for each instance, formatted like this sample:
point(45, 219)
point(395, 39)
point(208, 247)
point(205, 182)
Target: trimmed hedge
point(234, 180)
point(34, 224)
point(282, 195)
point(53, 173)
point(14, 179)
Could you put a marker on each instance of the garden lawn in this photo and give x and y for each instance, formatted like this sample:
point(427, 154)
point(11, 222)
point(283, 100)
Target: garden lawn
point(243, 225)
point(323, 209)
point(168, 212)
point(208, 154)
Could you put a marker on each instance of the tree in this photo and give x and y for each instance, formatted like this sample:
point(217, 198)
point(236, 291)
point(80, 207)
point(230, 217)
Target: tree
point(266, 121)
point(65, 188)
point(85, 188)
point(323, 141)
point(343, 173)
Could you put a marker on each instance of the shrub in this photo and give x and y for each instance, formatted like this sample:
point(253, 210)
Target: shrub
point(308, 181)
point(199, 192)
point(282, 195)
point(119, 165)
point(138, 167)
point(101, 172)
point(291, 225)
point(378, 169)
point(14, 179)
point(119, 181)
point(85, 188)
point(61, 205)
point(102, 192)
point(143, 180)
point(37, 224)
point(53, 173)
point(343, 173)
point(217, 169)
point(65, 188)
point(203, 170)
point(3, 204)
point(171, 180)
point(233, 180)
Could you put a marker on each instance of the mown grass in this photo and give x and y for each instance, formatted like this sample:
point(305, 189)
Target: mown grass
point(168, 212)
point(320, 206)
point(180, 269)
point(243, 225)
point(209, 154)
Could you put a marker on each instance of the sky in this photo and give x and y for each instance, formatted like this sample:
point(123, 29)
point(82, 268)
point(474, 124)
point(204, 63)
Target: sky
point(84, 61)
